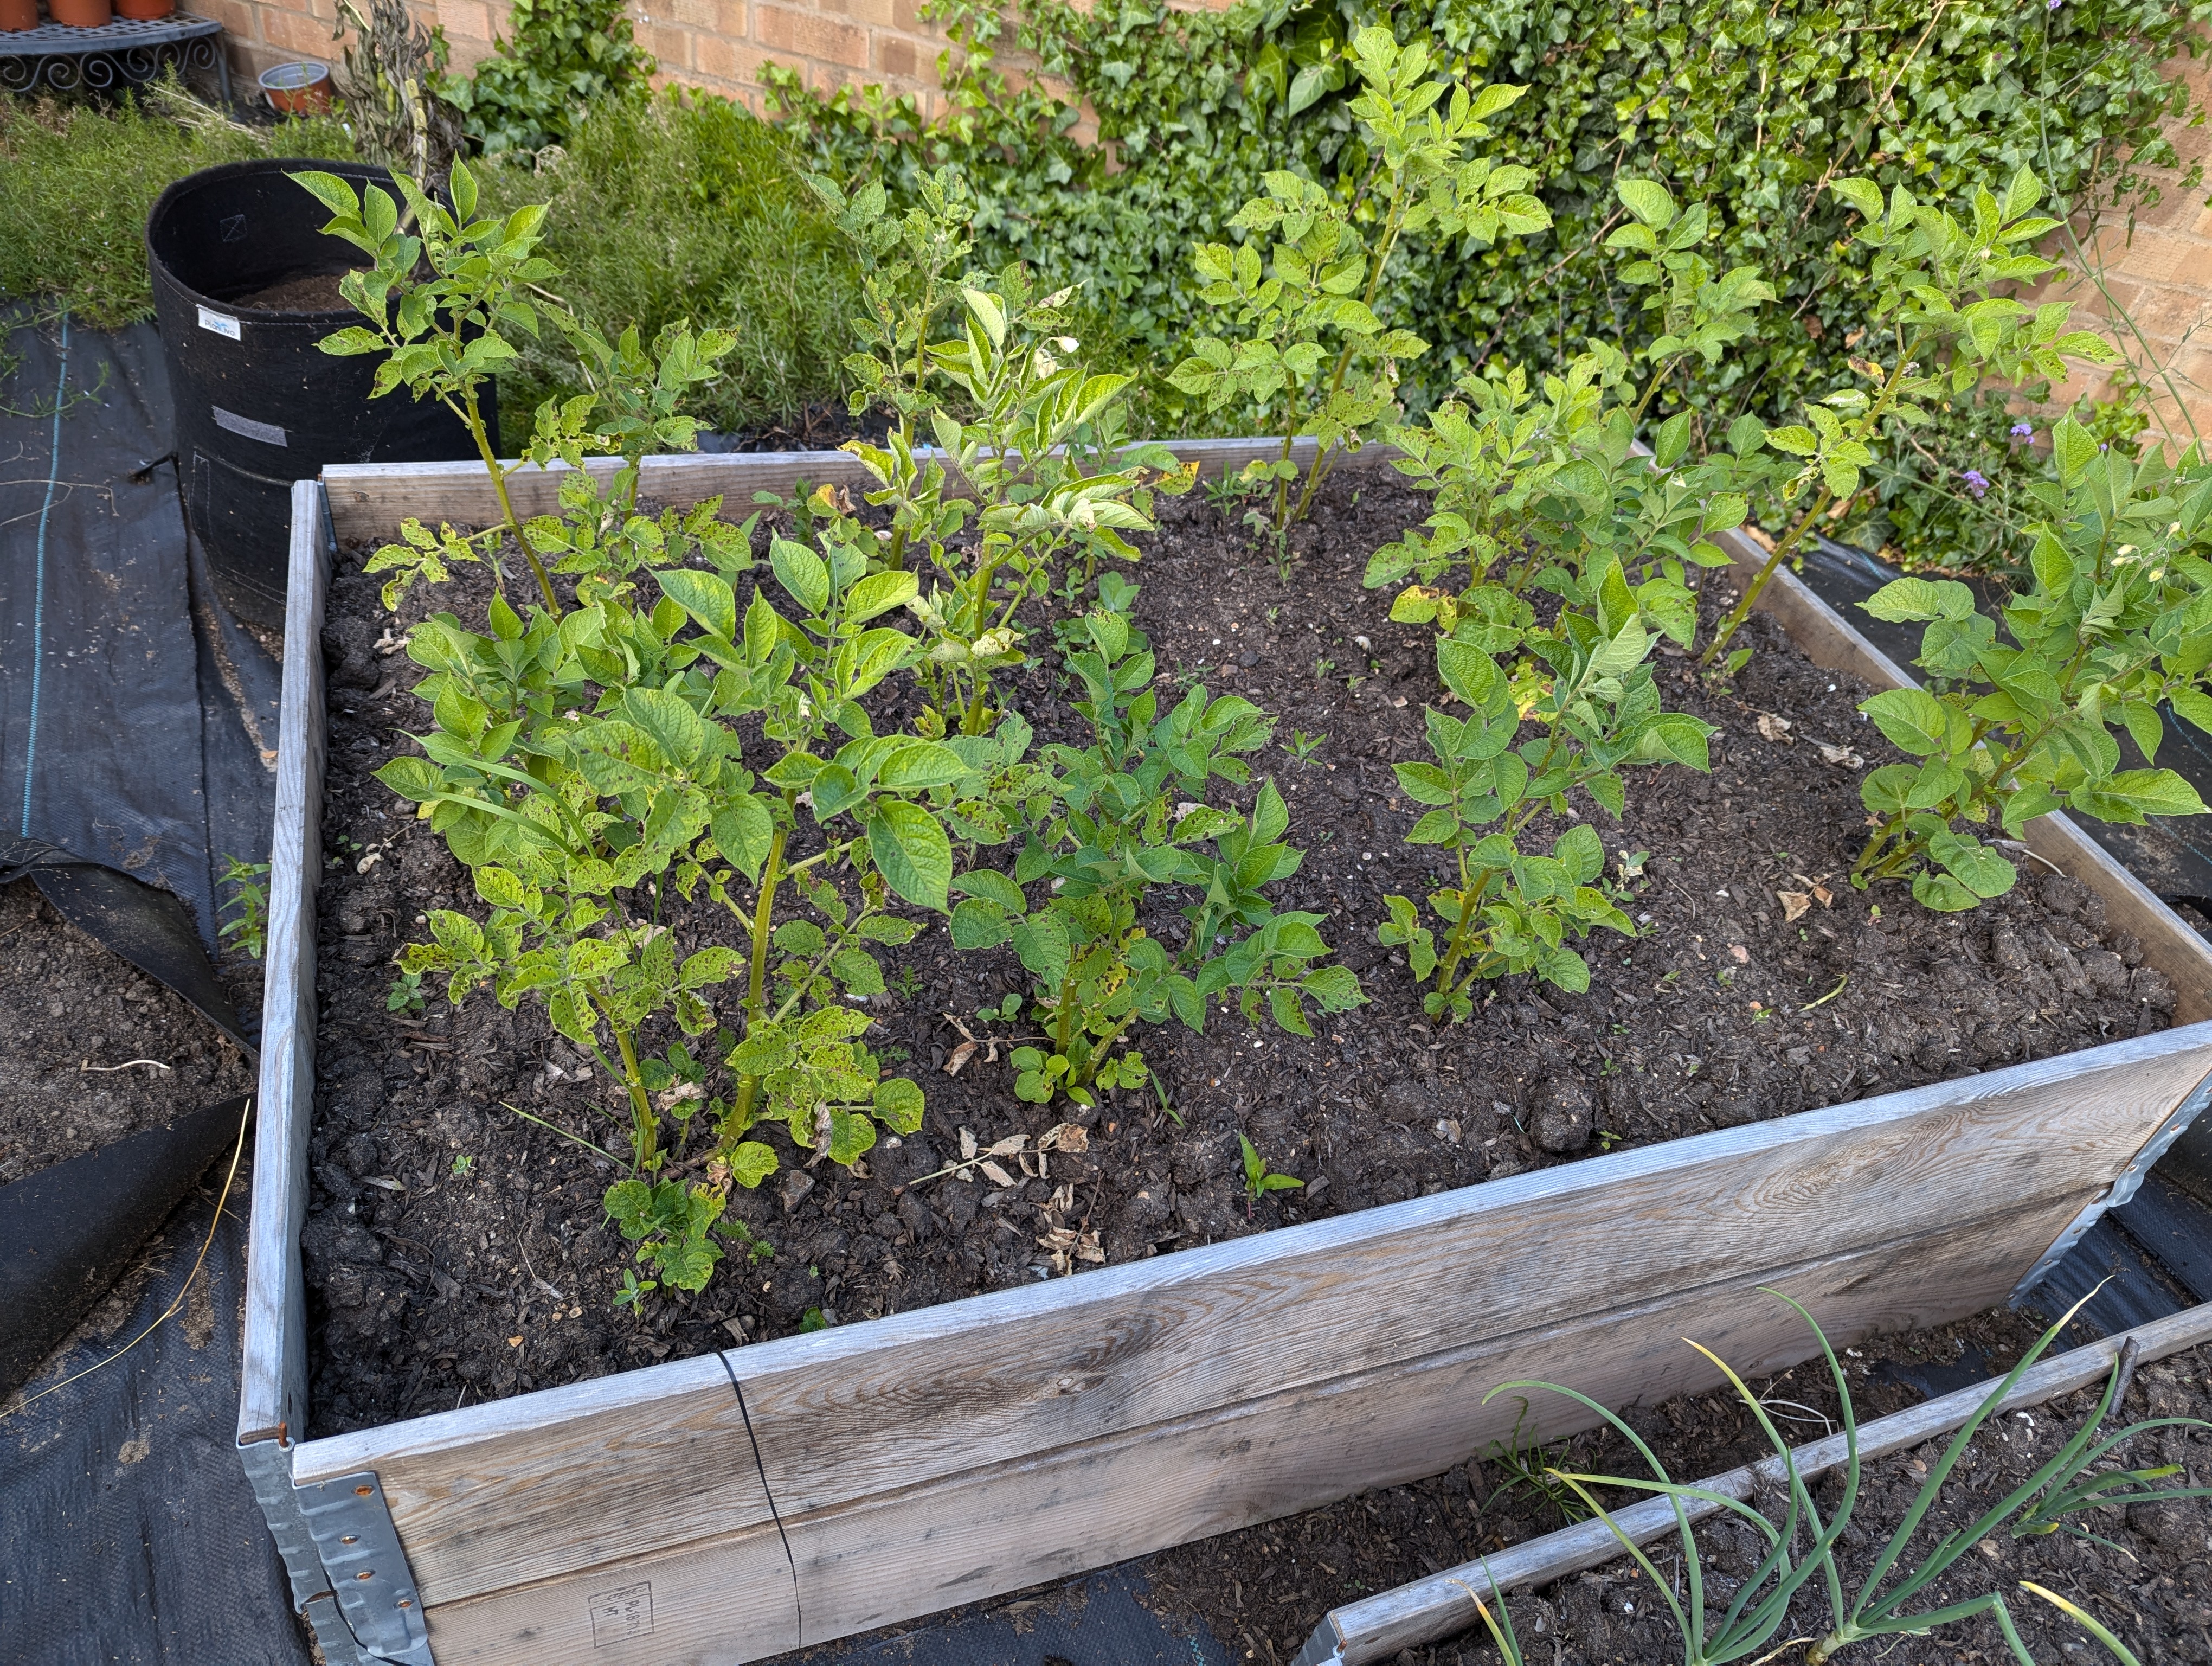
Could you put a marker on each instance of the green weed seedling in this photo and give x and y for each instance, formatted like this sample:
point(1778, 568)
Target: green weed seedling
point(1105, 824)
point(2117, 623)
point(248, 911)
point(1259, 1178)
point(405, 995)
point(1312, 357)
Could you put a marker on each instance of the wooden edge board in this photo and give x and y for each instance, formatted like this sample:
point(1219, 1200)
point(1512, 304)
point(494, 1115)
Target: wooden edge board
point(369, 500)
point(273, 1394)
point(842, 1415)
point(1830, 639)
point(1002, 1525)
point(1425, 1611)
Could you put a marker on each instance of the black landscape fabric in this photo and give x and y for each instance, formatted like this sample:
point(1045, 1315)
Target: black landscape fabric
point(137, 722)
point(138, 737)
point(132, 1536)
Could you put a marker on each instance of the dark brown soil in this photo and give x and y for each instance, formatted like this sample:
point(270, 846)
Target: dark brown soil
point(74, 1018)
point(303, 292)
point(456, 1250)
point(1262, 1591)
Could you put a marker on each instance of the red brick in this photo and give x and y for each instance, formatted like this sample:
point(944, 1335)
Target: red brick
point(809, 34)
point(897, 56)
point(730, 63)
point(733, 21)
point(466, 20)
point(296, 33)
point(670, 43)
point(693, 14)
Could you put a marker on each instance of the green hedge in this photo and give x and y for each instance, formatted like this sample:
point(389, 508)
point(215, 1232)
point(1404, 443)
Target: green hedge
point(688, 207)
point(76, 182)
point(1750, 105)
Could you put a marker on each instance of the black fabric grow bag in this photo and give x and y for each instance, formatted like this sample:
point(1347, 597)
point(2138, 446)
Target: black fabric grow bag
point(258, 404)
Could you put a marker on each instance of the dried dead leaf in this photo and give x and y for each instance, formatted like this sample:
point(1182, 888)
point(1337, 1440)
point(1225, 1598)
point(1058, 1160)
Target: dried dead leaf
point(1065, 1136)
point(961, 1055)
point(1741, 954)
point(1794, 902)
point(995, 1175)
point(1823, 895)
point(1007, 1147)
point(967, 1144)
point(1842, 757)
point(1772, 727)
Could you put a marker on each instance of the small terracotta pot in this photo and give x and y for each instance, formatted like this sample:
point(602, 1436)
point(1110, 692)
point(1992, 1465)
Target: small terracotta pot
point(298, 89)
point(18, 15)
point(82, 14)
point(144, 11)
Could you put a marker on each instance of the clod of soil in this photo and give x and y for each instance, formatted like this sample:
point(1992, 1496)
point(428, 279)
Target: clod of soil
point(456, 1250)
point(1266, 1588)
point(92, 1050)
point(302, 292)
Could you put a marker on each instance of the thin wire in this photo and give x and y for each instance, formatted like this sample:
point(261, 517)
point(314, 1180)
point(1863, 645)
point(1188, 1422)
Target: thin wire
point(799, 1615)
point(237, 1152)
point(39, 601)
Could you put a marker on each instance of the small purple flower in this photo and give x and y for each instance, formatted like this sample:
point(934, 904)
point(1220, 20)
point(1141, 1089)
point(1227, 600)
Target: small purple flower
point(1977, 482)
point(2055, 5)
point(2023, 430)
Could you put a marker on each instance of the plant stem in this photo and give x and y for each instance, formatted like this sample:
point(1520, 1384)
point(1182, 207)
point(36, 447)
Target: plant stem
point(1741, 610)
point(486, 450)
point(756, 975)
point(648, 1131)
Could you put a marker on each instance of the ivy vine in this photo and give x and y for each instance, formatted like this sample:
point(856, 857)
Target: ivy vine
point(1749, 106)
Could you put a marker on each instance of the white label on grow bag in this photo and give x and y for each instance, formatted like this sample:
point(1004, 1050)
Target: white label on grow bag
point(268, 433)
point(222, 323)
point(618, 1615)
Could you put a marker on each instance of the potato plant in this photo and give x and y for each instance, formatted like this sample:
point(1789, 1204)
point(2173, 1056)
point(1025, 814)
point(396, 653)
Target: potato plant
point(582, 763)
point(1010, 495)
point(1106, 824)
point(1300, 289)
point(1939, 326)
point(2118, 622)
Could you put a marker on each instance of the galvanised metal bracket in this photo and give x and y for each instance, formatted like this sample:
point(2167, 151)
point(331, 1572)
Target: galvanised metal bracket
point(1323, 1648)
point(352, 1526)
point(2122, 1190)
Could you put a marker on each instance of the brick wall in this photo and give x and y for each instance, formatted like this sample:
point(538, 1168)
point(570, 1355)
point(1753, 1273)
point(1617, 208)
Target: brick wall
point(2162, 274)
point(2159, 274)
point(718, 44)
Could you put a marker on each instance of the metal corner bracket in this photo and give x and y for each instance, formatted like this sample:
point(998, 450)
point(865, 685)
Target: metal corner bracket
point(352, 1526)
point(2121, 1191)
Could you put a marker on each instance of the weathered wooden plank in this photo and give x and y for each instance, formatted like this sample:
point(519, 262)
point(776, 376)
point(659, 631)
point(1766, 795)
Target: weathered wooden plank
point(1376, 1628)
point(491, 1495)
point(991, 1527)
point(369, 500)
point(272, 1401)
point(1830, 639)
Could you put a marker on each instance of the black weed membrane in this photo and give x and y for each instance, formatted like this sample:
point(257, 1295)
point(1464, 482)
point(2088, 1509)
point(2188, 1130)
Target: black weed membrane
point(137, 753)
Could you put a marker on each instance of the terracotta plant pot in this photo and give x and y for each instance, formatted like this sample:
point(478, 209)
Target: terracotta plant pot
point(298, 89)
point(18, 15)
point(145, 11)
point(81, 13)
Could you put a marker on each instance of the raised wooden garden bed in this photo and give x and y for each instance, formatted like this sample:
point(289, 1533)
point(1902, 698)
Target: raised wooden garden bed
point(728, 1508)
